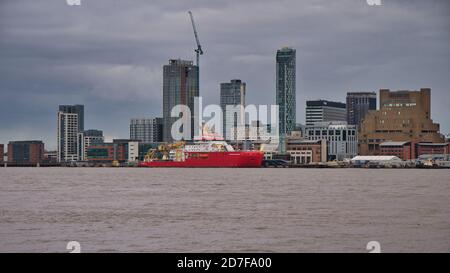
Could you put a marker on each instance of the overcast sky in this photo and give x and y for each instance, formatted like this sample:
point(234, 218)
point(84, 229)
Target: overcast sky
point(108, 55)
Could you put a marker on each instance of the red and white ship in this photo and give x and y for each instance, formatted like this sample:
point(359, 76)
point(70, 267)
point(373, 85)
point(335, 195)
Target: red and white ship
point(202, 154)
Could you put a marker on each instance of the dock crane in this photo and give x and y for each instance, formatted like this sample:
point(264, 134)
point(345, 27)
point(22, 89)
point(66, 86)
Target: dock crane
point(199, 50)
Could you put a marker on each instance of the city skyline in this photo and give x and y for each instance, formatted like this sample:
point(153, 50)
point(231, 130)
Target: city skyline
point(118, 77)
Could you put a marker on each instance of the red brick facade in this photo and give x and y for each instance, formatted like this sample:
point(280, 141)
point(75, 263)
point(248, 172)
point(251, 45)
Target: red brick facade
point(26, 152)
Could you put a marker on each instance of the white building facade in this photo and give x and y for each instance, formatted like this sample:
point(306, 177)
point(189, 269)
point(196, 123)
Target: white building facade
point(67, 132)
point(342, 139)
point(86, 139)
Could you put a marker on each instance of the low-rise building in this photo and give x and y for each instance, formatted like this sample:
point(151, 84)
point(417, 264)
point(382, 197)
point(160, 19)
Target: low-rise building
point(304, 152)
point(86, 139)
point(2, 152)
point(117, 151)
point(51, 156)
point(26, 152)
point(432, 148)
point(342, 139)
point(378, 160)
point(404, 150)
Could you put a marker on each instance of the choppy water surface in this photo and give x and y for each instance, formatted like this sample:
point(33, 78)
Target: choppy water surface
point(223, 210)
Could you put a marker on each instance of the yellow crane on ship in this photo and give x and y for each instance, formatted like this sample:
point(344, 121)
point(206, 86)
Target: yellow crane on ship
point(162, 151)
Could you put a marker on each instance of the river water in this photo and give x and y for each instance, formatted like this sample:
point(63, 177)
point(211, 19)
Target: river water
point(224, 210)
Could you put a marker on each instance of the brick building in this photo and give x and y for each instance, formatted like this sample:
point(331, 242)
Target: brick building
point(404, 150)
point(306, 151)
point(402, 116)
point(31, 152)
point(432, 148)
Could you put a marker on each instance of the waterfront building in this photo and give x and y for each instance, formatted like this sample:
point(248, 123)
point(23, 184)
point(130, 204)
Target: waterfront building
point(70, 121)
point(358, 104)
point(232, 94)
point(384, 161)
point(404, 150)
point(180, 87)
point(407, 150)
point(432, 148)
point(50, 156)
point(116, 151)
point(133, 151)
point(286, 91)
point(303, 152)
point(342, 139)
point(324, 111)
point(147, 129)
point(86, 139)
point(26, 152)
point(2, 152)
point(403, 116)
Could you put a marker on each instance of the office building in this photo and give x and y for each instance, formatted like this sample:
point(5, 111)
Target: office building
point(286, 92)
point(403, 116)
point(86, 139)
point(180, 87)
point(232, 94)
point(116, 151)
point(324, 111)
point(146, 129)
point(26, 152)
point(358, 104)
point(342, 139)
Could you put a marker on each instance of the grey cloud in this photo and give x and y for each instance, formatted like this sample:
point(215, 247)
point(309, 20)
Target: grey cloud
point(108, 54)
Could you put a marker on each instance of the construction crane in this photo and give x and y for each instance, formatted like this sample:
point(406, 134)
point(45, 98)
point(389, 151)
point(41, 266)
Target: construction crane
point(199, 50)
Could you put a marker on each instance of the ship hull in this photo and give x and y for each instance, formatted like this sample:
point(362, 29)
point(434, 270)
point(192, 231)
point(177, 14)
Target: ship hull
point(211, 160)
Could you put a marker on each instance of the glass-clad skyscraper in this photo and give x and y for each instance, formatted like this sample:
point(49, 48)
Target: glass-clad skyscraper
point(232, 94)
point(180, 87)
point(285, 91)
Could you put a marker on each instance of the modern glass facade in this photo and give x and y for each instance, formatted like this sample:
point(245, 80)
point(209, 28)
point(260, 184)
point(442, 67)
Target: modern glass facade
point(180, 87)
point(285, 91)
point(325, 111)
point(358, 104)
point(146, 130)
point(233, 94)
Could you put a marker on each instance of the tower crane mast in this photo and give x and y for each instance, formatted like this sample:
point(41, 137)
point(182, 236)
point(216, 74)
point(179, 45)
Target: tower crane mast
point(199, 50)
